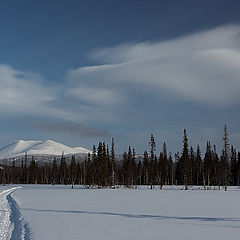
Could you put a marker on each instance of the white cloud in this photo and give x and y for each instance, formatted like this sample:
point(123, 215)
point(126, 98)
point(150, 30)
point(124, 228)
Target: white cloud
point(17, 82)
point(28, 93)
point(20, 89)
point(96, 96)
point(202, 67)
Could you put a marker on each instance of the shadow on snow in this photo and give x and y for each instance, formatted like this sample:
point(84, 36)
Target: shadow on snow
point(144, 216)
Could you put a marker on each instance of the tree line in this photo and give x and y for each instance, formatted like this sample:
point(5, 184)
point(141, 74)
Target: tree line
point(103, 168)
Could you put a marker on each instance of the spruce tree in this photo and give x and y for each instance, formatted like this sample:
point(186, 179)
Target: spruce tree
point(125, 169)
point(94, 166)
point(198, 164)
point(171, 169)
point(185, 162)
point(225, 158)
point(13, 171)
point(208, 163)
point(113, 164)
point(152, 145)
point(99, 166)
point(192, 165)
point(233, 164)
point(54, 171)
point(178, 170)
point(73, 171)
point(161, 165)
point(63, 171)
point(129, 168)
point(139, 173)
point(216, 167)
point(165, 165)
point(33, 171)
point(133, 167)
point(146, 168)
point(238, 170)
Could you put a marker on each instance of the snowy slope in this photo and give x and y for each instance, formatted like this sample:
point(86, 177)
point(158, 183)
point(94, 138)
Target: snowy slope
point(49, 147)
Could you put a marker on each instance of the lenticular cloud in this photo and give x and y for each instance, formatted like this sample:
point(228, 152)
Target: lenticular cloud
point(202, 67)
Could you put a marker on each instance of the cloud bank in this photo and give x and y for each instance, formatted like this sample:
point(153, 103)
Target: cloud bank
point(203, 67)
point(28, 93)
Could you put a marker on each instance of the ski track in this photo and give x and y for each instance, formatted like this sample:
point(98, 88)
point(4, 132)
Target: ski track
point(12, 226)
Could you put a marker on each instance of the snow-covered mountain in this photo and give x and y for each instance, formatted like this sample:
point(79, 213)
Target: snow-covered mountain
point(48, 147)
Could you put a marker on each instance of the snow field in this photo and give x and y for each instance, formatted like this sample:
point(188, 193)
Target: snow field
point(58, 212)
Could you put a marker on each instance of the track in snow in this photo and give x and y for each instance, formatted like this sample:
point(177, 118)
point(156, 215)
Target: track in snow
point(12, 226)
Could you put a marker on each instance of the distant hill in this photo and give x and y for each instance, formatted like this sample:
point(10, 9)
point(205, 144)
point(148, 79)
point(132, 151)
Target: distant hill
point(48, 147)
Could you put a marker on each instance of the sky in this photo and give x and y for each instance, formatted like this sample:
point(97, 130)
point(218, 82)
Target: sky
point(80, 72)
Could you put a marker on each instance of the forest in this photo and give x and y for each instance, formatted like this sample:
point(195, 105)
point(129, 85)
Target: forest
point(104, 169)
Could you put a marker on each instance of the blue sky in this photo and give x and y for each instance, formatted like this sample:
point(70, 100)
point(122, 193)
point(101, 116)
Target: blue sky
point(80, 72)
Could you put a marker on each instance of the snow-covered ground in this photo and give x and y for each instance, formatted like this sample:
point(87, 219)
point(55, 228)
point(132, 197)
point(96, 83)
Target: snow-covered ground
point(11, 221)
point(58, 212)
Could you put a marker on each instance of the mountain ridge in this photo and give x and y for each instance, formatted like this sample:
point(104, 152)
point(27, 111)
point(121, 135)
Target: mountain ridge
point(35, 147)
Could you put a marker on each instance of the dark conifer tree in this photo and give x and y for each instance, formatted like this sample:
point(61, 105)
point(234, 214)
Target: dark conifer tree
point(238, 170)
point(105, 166)
point(124, 171)
point(14, 173)
point(4, 173)
point(233, 164)
point(25, 173)
point(161, 165)
point(152, 145)
point(54, 172)
point(78, 178)
point(184, 161)
point(94, 166)
point(63, 171)
point(33, 172)
point(199, 166)
point(171, 170)
point(99, 165)
point(73, 171)
point(89, 170)
point(178, 170)
point(84, 172)
point(139, 173)
point(133, 167)
point(22, 172)
point(113, 164)
point(216, 167)
point(192, 165)
point(208, 164)
point(225, 159)
point(129, 168)
point(146, 168)
point(165, 165)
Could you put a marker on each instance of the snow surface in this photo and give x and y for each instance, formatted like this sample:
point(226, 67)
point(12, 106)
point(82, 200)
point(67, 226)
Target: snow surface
point(6, 214)
point(48, 147)
point(58, 212)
